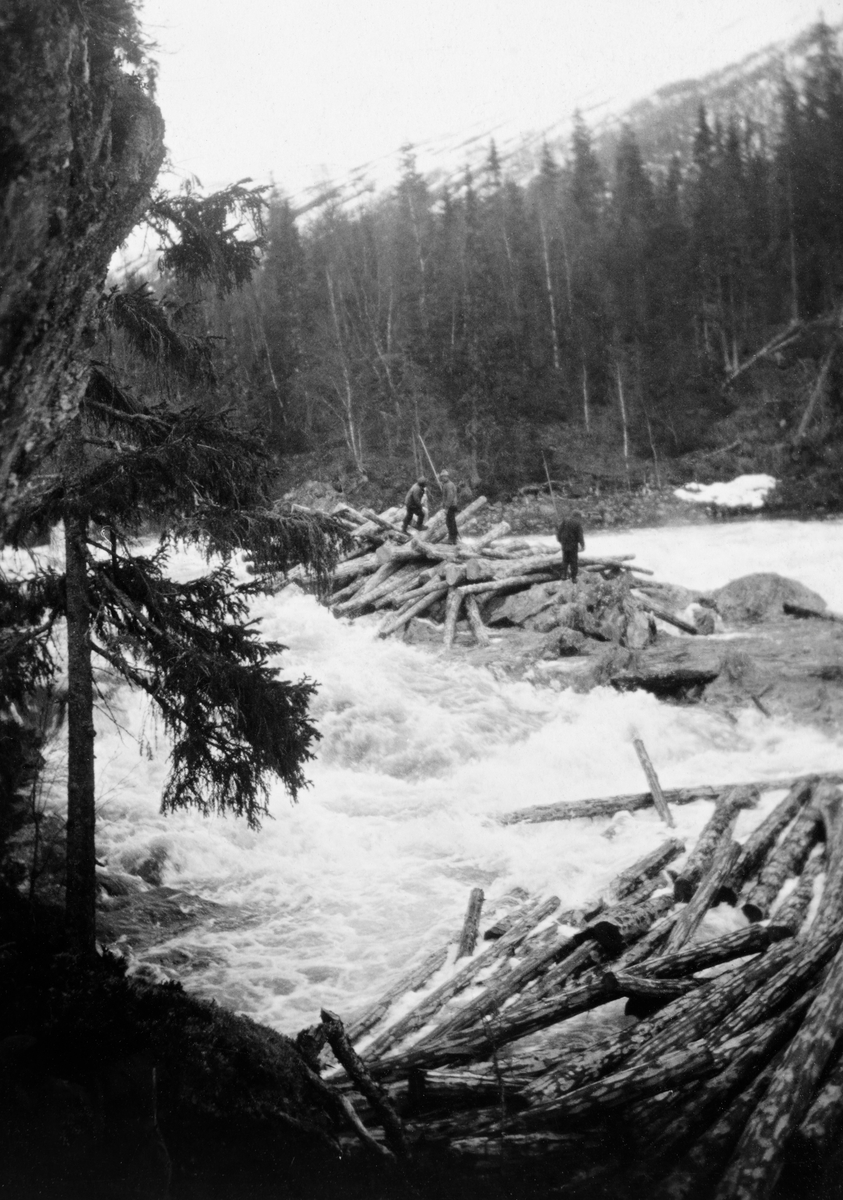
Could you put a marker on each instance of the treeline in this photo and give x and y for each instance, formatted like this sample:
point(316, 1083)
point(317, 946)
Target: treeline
point(591, 305)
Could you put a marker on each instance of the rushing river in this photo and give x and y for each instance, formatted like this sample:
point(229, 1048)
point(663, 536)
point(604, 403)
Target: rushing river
point(372, 869)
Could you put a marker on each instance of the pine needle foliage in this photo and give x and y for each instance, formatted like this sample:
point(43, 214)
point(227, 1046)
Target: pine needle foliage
point(191, 647)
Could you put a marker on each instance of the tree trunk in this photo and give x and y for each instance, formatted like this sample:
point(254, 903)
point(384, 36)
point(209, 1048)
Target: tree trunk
point(792, 912)
point(653, 780)
point(710, 954)
point(468, 938)
point(80, 908)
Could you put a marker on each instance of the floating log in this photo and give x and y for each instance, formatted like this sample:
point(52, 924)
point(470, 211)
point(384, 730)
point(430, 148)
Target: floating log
point(510, 583)
point(703, 955)
point(759, 1157)
point(757, 846)
point(356, 1069)
point(424, 1011)
point(413, 981)
point(793, 910)
point(623, 924)
point(653, 780)
point(468, 938)
point(626, 882)
point(722, 863)
point(571, 810)
point(506, 984)
point(787, 859)
point(724, 816)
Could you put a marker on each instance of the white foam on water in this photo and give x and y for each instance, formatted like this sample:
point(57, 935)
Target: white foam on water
point(371, 870)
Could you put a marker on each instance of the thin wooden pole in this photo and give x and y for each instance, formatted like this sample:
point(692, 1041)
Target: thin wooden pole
point(653, 779)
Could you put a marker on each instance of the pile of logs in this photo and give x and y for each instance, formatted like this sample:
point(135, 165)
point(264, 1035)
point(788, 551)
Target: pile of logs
point(724, 1072)
point(406, 575)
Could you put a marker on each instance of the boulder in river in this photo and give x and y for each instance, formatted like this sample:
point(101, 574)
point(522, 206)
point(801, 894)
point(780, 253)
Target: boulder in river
point(762, 596)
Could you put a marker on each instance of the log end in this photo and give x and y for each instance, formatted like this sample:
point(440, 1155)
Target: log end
point(752, 912)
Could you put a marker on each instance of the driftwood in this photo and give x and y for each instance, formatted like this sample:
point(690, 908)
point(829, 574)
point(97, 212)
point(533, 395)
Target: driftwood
point(653, 780)
point(699, 861)
point(786, 860)
point(468, 937)
point(759, 1157)
point(724, 859)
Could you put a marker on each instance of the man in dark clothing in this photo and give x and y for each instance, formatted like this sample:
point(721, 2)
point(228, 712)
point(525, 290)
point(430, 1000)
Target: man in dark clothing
point(570, 537)
point(449, 503)
point(413, 500)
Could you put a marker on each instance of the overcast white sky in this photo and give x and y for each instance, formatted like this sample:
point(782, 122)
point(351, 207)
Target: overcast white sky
point(304, 90)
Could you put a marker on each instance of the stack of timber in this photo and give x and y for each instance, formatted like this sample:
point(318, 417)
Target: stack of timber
point(414, 574)
point(506, 1052)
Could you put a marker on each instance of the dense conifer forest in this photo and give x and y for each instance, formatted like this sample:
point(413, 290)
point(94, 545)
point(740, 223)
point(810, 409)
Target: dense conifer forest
point(601, 310)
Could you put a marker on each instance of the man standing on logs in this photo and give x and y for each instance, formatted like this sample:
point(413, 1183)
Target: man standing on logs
point(571, 539)
point(415, 505)
point(449, 504)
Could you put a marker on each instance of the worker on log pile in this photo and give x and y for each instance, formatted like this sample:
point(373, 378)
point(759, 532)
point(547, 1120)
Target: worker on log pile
point(449, 504)
point(415, 505)
point(570, 537)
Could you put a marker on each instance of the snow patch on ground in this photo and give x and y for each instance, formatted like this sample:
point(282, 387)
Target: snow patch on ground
point(747, 491)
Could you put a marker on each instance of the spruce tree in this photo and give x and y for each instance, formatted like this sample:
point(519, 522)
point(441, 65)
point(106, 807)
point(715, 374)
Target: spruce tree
point(127, 464)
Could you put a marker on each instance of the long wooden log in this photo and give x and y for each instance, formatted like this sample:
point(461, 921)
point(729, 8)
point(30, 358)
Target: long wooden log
point(703, 955)
point(651, 943)
point(693, 1062)
point(350, 568)
point(759, 1157)
point(792, 911)
point(424, 1011)
point(396, 579)
point(436, 525)
point(653, 780)
point(393, 624)
point(698, 1014)
point(468, 937)
point(807, 959)
point(664, 615)
point(759, 843)
point(404, 599)
point(511, 583)
point(725, 857)
point(571, 810)
point(348, 1057)
point(696, 1174)
point(829, 801)
point(412, 981)
point(624, 923)
point(452, 612)
point(626, 881)
point(575, 964)
point(351, 590)
point(787, 859)
point(491, 535)
point(479, 630)
point(653, 989)
point(743, 1057)
point(725, 814)
point(821, 1125)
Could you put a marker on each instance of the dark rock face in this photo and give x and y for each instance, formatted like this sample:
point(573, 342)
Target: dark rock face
point(759, 597)
point(81, 143)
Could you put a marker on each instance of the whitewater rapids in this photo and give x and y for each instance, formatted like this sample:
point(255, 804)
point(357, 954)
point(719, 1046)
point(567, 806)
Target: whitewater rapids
point(371, 870)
